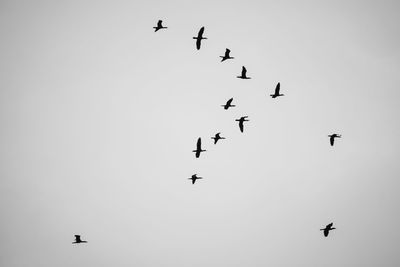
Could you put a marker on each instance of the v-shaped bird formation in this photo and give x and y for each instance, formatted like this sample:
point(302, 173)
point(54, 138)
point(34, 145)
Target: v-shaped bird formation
point(217, 137)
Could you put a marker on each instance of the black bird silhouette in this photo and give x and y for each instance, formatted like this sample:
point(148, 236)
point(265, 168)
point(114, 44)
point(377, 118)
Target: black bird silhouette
point(243, 75)
point(159, 26)
point(241, 120)
point(199, 38)
point(277, 89)
point(226, 56)
point(78, 240)
point(198, 148)
point(217, 137)
point(332, 138)
point(327, 229)
point(228, 104)
point(194, 178)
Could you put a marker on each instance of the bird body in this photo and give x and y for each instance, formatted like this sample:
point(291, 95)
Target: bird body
point(228, 104)
point(243, 75)
point(194, 178)
point(226, 56)
point(241, 121)
point(332, 138)
point(217, 137)
point(78, 240)
point(327, 229)
point(199, 38)
point(198, 148)
point(159, 26)
point(277, 89)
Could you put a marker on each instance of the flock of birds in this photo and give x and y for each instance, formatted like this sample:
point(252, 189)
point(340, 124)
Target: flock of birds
point(226, 106)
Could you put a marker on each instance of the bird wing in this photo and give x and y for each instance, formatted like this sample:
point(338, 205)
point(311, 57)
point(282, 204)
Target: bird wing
point(277, 88)
point(200, 35)
point(326, 232)
point(332, 140)
point(199, 144)
point(198, 43)
point(244, 71)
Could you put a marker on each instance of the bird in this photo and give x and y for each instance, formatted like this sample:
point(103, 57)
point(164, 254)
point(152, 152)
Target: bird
point(277, 89)
point(198, 148)
point(228, 104)
point(226, 56)
point(159, 26)
point(332, 138)
point(199, 38)
point(243, 75)
point(78, 240)
point(241, 120)
point(217, 137)
point(327, 229)
point(194, 178)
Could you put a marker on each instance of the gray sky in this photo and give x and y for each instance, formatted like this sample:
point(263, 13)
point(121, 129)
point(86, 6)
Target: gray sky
point(99, 115)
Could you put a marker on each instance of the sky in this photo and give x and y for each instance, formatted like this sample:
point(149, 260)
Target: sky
point(99, 115)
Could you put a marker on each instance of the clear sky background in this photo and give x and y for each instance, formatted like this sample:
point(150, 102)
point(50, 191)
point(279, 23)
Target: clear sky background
point(99, 116)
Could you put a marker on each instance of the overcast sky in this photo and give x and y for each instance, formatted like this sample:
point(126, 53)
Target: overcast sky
point(99, 115)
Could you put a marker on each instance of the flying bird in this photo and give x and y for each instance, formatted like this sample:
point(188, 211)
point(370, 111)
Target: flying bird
point(228, 104)
point(194, 178)
point(241, 120)
point(243, 75)
point(159, 26)
point(277, 89)
point(199, 38)
point(332, 138)
point(198, 148)
point(217, 137)
point(226, 56)
point(78, 240)
point(327, 229)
